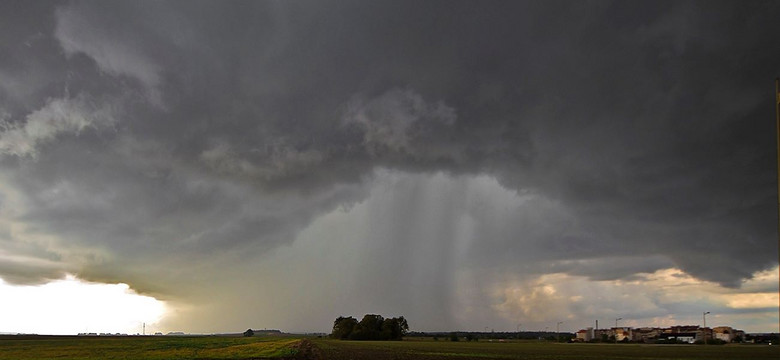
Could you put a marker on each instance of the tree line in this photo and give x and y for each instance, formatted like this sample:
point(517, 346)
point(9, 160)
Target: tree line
point(371, 327)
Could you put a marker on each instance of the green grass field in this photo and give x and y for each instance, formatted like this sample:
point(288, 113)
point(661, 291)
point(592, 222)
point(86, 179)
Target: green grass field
point(209, 347)
point(145, 347)
point(532, 350)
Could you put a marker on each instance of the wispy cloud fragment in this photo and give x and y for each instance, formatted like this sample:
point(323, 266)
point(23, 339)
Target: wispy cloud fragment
point(56, 117)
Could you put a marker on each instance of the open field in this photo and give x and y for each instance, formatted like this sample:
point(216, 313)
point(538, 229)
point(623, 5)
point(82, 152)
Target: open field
point(532, 350)
point(145, 347)
point(212, 347)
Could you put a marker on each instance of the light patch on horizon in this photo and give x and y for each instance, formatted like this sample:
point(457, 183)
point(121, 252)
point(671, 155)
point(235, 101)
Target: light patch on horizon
point(752, 300)
point(71, 306)
point(665, 297)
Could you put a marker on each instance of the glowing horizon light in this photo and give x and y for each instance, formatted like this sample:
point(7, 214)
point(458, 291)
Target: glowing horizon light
point(72, 305)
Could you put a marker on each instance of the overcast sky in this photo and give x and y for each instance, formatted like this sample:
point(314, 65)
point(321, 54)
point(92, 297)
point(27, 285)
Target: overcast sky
point(464, 164)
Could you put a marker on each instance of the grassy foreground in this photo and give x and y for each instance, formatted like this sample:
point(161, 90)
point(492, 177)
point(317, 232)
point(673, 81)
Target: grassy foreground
point(145, 347)
point(531, 350)
point(208, 347)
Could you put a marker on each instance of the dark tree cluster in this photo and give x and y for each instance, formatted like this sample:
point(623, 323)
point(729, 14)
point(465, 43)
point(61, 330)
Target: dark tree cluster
point(371, 327)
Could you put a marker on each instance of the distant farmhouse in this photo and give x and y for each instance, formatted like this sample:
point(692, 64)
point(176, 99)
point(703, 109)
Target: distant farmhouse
point(266, 332)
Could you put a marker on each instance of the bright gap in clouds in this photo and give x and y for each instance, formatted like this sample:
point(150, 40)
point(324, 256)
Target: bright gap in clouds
point(663, 298)
point(71, 306)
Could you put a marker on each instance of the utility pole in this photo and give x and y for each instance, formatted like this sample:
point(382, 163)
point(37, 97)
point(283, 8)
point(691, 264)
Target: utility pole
point(777, 127)
point(144, 328)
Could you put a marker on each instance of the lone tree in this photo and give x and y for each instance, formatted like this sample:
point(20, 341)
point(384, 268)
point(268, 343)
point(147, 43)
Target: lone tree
point(371, 327)
point(249, 333)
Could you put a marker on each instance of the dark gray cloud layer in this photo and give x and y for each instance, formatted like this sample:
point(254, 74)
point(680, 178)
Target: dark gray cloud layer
point(182, 137)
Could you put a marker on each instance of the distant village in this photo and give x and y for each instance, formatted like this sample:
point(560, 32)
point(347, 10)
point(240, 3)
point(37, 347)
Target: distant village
point(688, 334)
point(678, 334)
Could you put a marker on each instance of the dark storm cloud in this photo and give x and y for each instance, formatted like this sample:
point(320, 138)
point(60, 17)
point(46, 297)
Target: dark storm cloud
point(138, 137)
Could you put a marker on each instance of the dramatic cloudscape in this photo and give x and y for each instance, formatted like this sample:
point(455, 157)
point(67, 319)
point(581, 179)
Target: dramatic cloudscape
point(210, 166)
